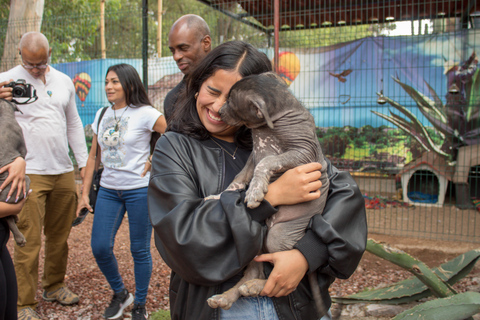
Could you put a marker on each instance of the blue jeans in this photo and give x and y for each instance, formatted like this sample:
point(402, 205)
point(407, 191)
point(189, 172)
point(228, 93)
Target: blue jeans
point(253, 308)
point(109, 211)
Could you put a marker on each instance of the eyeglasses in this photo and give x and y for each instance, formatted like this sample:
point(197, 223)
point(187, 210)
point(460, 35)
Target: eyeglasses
point(32, 66)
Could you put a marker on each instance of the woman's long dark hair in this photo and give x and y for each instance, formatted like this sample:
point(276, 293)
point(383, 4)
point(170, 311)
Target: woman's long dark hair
point(233, 55)
point(135, 93)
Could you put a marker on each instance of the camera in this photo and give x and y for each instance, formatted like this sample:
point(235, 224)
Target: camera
point(21, 89)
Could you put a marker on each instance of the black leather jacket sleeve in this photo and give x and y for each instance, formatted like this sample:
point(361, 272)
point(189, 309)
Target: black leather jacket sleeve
point(336, 240)
point(204, 242)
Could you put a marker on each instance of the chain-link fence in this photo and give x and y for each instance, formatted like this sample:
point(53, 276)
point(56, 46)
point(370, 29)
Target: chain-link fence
point(394, 88)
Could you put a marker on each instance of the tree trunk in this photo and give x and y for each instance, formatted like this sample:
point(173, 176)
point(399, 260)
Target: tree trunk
point(25, 16)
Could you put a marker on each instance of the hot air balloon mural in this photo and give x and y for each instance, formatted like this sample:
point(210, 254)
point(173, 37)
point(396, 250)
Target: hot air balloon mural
point(288, 66)
point(82, 82)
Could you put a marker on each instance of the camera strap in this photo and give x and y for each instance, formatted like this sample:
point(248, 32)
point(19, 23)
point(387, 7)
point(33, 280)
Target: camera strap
point(27, 101)
point(35, 97)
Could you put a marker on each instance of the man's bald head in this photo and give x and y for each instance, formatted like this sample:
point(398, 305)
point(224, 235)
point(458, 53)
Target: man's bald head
point(189, 41)
point(35, 52)
point(34, 41)
point(194, 23)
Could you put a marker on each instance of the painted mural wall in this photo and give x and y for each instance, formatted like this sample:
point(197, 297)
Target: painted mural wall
point(379, 103)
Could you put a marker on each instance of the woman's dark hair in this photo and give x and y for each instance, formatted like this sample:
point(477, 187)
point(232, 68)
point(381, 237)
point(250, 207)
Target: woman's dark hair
point(135, 93)
point(233, 55)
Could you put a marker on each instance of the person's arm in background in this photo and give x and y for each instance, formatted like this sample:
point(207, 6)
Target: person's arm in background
point(16, 170)
point(16, 176)
point(84, 201)
point(160, 126)
point(75, 132)
point(10, 209)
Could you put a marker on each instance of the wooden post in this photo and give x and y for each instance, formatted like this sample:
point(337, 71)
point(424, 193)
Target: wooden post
point(159, 28)
point(102, 29)
point(276, 27)
point(145, 42)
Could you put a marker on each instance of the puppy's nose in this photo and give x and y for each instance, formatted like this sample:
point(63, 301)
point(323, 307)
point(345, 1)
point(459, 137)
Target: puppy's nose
point(221, 110)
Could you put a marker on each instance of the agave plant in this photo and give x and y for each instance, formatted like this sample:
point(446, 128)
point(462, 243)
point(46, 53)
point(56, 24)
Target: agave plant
point(457, 121)
point(438, 282)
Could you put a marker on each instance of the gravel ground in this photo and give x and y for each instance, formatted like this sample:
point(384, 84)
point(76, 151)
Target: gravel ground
point(84, 277)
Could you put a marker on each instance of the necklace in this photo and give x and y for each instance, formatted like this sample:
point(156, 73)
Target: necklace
point(117, 121)
point(231, 155)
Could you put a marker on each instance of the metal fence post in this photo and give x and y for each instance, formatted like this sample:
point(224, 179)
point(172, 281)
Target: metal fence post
point(145, 42)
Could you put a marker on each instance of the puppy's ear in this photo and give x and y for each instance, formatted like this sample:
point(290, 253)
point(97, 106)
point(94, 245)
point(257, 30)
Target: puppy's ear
point(275, 76)
point(262, 112)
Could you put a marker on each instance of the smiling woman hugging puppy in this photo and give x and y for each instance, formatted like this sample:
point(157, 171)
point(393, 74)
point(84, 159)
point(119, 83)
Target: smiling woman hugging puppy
point(208, 244)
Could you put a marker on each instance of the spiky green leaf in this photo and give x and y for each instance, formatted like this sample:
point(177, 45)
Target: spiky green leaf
point(433, 111)
point(406, 126)
point(457, 307)
point(425, 104)
point(438, 102)
point(472, 137)
point(420, 132)
point(473, 108)
point(412, 289)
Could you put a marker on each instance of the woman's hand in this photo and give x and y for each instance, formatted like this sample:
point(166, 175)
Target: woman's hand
point(148, 167)
point(297, 185)
point(84, 202)
point(16, 175)
point(6, 92)
point(10, 209)
point(289, 268)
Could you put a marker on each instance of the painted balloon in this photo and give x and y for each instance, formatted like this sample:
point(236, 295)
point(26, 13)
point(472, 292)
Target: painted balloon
point(82, 82)
point(288, 66)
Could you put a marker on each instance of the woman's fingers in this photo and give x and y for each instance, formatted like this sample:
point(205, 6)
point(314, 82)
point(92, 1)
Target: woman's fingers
point(310, 167)
point(148, 167)
point(289, 267)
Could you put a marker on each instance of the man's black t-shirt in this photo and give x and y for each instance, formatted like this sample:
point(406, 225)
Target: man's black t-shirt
point(171, 100)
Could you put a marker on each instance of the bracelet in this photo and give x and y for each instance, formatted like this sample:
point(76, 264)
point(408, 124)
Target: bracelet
point(149, 161)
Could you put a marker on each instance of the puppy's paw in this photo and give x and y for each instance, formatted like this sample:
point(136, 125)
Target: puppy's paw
point(21, 242)
point(252, 288)
point(252, 204)
point(219, 301)
point(253, 198)
point(255, 193)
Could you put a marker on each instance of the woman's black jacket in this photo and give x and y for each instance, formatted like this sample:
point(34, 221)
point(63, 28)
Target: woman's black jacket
point(206, 243)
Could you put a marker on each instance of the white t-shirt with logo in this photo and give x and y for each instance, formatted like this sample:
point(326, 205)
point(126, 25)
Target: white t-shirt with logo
point(50, 124)
point(124, 139)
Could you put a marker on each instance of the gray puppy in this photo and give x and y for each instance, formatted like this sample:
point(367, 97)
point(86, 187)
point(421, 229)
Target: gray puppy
point(12, 147)
point(284, 137)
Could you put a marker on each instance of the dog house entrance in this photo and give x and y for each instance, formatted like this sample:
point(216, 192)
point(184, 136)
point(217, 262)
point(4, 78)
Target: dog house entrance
point(423, 187)
point(474, 182)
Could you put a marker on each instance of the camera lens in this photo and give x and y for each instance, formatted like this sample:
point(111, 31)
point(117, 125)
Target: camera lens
point(19, 91)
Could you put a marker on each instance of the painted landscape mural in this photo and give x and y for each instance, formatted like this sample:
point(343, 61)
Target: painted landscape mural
point(379, 103)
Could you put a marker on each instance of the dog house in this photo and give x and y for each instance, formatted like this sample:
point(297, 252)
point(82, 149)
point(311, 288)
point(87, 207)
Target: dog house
point(430, 173)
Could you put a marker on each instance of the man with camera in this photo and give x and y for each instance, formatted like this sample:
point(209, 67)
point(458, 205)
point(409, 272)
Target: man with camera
point(50, 125)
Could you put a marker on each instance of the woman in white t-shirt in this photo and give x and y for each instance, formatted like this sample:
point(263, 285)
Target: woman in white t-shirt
point(124, 135)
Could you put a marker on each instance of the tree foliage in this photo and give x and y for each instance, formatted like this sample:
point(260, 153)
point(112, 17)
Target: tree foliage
point(73, 28)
